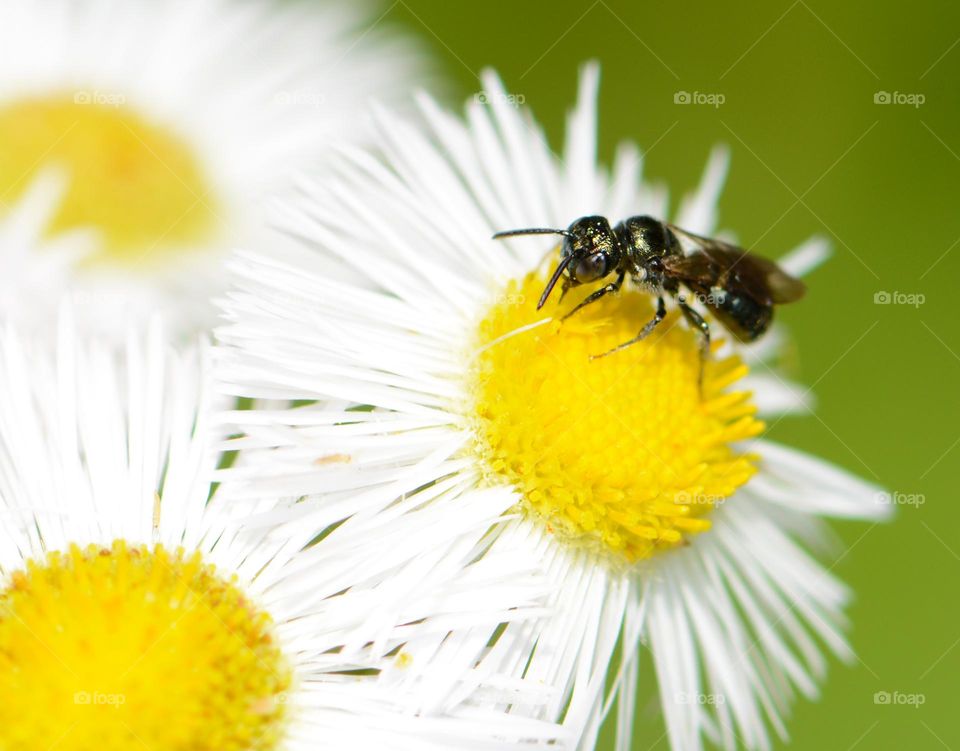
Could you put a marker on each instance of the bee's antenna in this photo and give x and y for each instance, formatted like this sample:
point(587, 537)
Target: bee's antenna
point(532, 231)
point(553, 280)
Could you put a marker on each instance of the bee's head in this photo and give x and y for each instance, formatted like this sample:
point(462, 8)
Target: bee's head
point(589, 252)
point(591, 247)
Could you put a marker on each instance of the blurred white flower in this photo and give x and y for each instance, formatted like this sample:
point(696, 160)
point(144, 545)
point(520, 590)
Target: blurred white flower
point(36, 269)
point(140, 606)
point(652, 512)
point(171, 121)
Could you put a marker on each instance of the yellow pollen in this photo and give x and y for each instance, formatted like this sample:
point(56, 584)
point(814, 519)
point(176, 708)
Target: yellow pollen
point(621, 454)
point(129, 647)
point(135, 182)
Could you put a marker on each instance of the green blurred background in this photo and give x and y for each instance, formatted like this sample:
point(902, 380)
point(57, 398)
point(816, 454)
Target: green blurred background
point(812, 154)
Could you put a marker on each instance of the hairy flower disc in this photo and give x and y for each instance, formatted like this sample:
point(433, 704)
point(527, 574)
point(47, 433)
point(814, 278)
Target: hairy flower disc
point(135, 182)
point(621, 453)
point(125, 647)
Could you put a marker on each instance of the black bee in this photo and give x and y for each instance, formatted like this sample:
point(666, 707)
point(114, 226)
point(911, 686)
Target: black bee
point(739, 288)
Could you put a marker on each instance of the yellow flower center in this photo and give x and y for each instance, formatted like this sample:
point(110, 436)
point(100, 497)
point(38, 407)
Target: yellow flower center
point(126, 647)
point(137, 183)
point(623, 453)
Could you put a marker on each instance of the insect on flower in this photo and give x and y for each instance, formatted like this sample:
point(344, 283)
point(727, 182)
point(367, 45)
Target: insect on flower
point(740, 288)
point(470, 464)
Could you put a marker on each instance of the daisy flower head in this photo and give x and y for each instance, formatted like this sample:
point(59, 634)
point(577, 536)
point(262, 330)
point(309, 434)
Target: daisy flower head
point(651, 505)
point(141, 607)
point(171, 121)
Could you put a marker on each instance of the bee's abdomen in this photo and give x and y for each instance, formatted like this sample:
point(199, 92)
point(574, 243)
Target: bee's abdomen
point(743, 315)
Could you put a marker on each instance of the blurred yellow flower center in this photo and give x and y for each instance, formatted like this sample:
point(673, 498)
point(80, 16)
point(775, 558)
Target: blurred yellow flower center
point(620, 454)
point(126, 647)
point(138, 184)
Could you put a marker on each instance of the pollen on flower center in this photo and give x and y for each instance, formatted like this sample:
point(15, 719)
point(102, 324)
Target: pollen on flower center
point(620, 453)
point(138, 184)
point(125, 647)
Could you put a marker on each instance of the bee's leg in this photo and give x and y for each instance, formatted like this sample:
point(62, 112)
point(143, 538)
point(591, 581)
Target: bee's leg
point(644, 332)
point(597, 294)
point(697, 322)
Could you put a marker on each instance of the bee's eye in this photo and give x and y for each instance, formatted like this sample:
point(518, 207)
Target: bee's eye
point(590, 268)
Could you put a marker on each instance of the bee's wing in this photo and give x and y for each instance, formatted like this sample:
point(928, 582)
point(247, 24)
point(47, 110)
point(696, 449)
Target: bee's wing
point(698, 271)
point(761, 278)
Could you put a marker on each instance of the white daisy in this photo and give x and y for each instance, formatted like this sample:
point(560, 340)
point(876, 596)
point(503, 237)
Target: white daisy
point(653, 512)
point(171, 121)
point(139, 608)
